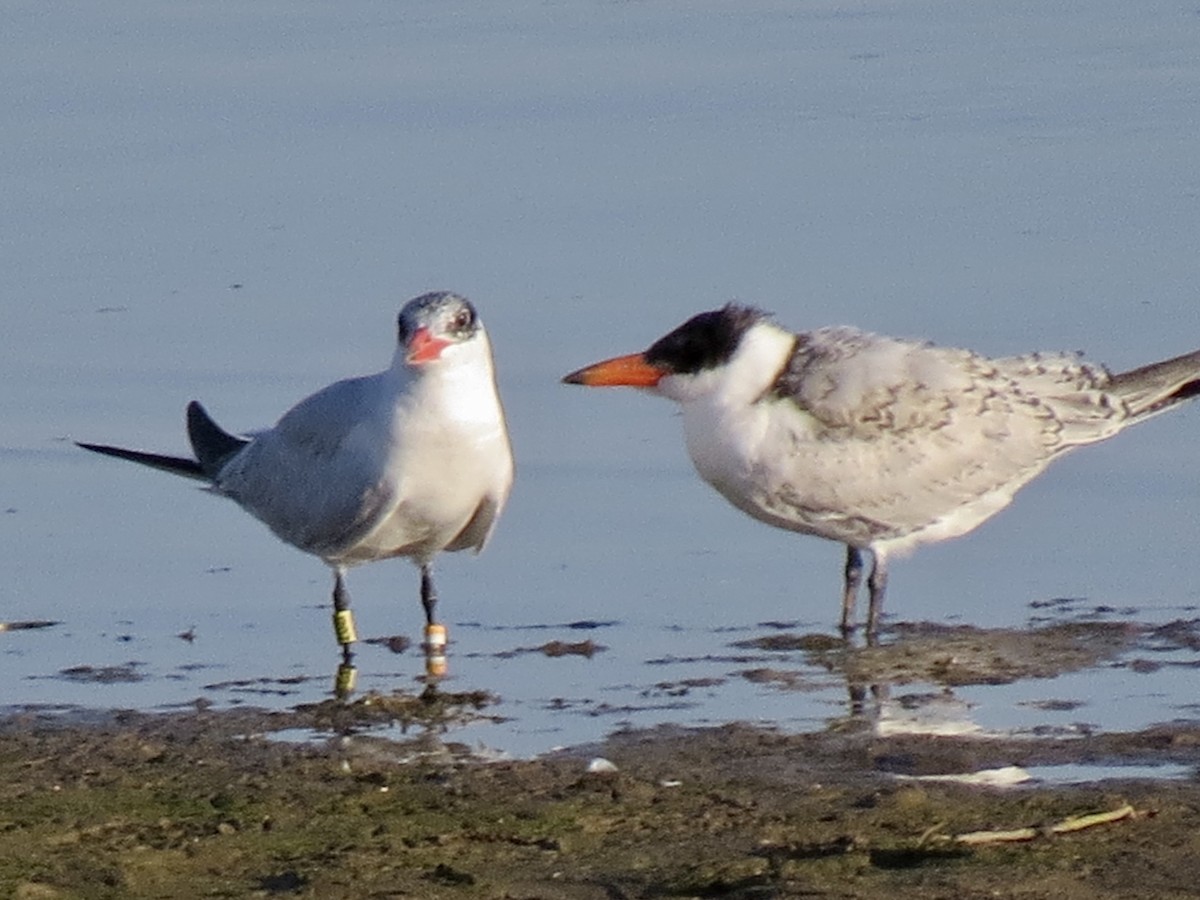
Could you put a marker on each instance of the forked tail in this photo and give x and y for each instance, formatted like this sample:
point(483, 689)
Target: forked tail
point(176, 465)
point(1159, 386)
point(212, 444)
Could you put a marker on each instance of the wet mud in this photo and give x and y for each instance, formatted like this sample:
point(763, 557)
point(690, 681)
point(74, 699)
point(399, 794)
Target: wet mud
point(207, 804)
point(377, 798)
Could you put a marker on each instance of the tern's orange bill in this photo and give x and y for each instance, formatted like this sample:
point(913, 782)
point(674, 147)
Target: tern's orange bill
point(621, 371)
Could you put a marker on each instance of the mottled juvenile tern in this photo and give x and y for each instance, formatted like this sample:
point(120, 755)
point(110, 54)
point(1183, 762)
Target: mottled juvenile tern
point(878, 443)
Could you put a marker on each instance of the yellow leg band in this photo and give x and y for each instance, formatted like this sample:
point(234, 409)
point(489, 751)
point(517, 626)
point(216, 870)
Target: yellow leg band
point(344, 682)
point(343, 627)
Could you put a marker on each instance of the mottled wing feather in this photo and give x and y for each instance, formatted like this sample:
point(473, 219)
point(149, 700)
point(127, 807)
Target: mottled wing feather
point(897, 435)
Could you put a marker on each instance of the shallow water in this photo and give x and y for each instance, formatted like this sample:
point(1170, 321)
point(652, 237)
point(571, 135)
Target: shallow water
point(230, 202)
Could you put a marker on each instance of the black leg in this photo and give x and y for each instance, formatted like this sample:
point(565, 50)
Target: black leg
point(343, 630)
point(341, 597)
point(877, 585)
point(435, 634)
point(853, 572)
point(428, 594)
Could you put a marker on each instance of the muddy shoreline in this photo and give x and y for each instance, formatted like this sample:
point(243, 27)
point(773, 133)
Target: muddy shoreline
point(208, 804)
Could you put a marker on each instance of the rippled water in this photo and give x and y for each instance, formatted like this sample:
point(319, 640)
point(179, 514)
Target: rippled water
point(230, 201)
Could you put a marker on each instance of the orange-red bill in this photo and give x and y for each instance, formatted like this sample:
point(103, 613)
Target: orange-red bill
point(621, 371)
point(423, 347)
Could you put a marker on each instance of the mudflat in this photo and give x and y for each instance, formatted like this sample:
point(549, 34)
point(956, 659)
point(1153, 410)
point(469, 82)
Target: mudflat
point(212, 804)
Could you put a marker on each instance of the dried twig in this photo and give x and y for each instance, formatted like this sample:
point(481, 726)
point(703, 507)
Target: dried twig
point(1074, 823)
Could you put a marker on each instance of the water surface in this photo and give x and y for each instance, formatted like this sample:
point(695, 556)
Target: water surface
point(230, 202)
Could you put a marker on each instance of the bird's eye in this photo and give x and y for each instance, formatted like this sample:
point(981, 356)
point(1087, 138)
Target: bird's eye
point(463, 320)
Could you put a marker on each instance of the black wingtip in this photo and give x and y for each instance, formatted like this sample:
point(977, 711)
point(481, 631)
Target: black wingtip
point(176, 465)
point(212, 444)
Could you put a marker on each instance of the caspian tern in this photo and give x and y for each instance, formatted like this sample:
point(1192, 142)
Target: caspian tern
point(878, 443)
point(407, 462)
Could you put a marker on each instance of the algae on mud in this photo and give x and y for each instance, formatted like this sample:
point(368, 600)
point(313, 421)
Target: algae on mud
point(201, 805)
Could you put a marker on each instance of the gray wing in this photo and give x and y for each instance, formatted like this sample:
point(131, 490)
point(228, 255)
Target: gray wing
point(479, 529)
point(316, 478)
point(889, 436)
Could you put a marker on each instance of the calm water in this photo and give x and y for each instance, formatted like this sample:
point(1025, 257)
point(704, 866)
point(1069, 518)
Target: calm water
point(230, 201)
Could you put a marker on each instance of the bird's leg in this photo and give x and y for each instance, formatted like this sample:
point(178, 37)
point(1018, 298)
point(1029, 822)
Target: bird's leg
point(877, 587)
point(435, 633)
point(343, 629)
point(428, 594)
point(854, 571)
point(343, 618)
